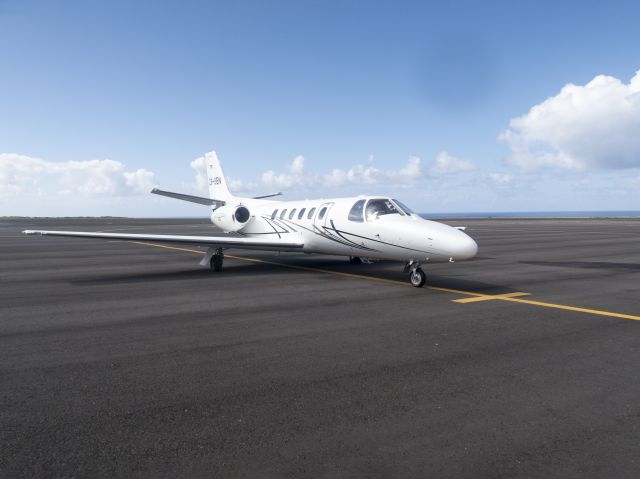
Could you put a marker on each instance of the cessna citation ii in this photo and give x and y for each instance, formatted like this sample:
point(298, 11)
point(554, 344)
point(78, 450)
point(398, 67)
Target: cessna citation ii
point(362, 228)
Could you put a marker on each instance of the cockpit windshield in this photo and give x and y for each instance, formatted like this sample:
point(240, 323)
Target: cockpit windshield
point(379, 207)
point(355, 214)
point(403, 207)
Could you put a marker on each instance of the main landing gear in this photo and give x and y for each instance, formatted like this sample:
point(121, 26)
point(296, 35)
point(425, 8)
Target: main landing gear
point(216, 260)
point(416, 275)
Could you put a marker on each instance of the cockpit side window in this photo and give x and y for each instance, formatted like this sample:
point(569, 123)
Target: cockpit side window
point(357, 211)
point(379, 207)
point(404, 207)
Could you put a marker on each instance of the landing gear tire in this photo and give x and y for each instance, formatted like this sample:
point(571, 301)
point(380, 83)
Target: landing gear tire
point(216, 261)
point(417, 278)
point(355, 260)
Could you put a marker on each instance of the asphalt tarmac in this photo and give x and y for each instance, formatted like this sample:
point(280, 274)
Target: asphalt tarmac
point(120, 359)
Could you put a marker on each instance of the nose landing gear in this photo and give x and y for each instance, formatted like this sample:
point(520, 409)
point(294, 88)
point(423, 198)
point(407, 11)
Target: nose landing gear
point(416, 275)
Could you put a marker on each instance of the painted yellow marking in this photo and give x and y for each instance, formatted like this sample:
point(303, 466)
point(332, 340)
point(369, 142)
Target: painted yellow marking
point(511, 297)
point(199, 251)
point(598, 312)
point(490, 297)
point(449, 290)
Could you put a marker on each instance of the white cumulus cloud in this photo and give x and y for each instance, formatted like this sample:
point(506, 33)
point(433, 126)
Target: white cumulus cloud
point(21, 174)
point(445, 164)
point(200, 167)
point(592, 126)
point(297, 165)
point(295, 176)
point(358, 174)
point(500, 179)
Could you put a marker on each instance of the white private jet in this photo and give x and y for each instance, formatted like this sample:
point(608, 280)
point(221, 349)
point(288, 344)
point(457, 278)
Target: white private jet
point(362, 228)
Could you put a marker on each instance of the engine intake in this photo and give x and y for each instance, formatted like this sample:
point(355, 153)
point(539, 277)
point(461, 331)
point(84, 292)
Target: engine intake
point(242, 214)
point(231, 218)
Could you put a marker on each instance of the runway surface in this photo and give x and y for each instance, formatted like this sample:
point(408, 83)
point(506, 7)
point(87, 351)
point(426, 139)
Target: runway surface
point(120, 359)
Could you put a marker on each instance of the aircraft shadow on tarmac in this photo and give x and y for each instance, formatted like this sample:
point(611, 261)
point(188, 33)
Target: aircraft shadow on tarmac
point(467, 285)
point(379, 270)
point(182, 274)
point(586, 264)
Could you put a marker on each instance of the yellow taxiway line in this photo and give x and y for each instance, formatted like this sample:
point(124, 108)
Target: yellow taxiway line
point(598, 312)
point(490, 297)
point(515, 297)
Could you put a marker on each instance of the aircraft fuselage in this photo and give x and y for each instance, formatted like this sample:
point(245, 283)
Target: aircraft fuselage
point(330, 226)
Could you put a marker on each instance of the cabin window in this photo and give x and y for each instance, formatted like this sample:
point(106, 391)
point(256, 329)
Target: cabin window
point(380, 207)
point(292, 214)
point(357, 211)
point(284, 212)
point(403, 207)
point(273, 215)
point(301, 214)
point(311, 212)
point(322, 212)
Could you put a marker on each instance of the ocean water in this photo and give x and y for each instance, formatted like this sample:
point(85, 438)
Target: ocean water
point(536, 214)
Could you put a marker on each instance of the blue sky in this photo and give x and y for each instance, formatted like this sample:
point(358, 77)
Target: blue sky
point(430, 101)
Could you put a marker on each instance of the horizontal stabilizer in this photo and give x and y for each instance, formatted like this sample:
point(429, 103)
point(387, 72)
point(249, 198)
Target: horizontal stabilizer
point(267, 196)
point(193, 199)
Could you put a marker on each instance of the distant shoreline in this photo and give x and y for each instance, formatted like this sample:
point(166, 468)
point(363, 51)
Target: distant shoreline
point(619, 214)
point(521, 215)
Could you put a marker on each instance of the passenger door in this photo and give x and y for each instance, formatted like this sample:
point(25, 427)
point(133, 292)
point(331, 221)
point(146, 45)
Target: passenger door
point(322, 219)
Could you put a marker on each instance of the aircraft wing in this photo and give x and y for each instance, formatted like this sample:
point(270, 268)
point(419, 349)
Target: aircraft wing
point(242, 242)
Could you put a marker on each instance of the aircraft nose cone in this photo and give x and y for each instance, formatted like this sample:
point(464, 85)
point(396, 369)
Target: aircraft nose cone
point(465, 247)
point(471, 248)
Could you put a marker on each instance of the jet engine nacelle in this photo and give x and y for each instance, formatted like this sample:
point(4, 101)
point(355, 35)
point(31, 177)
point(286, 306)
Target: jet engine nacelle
point(231, 218)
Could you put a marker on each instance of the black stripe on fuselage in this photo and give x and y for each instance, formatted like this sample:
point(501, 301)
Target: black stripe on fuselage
point(323, 234)
point(339, 235)
point(384, 242)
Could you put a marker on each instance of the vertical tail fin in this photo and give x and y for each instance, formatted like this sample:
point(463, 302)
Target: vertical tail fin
point(218, 189)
